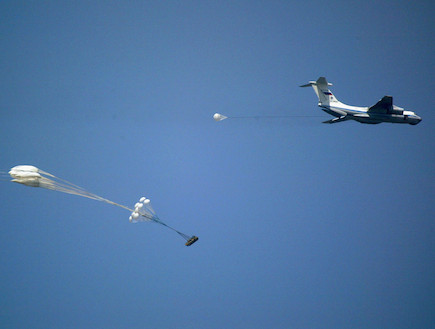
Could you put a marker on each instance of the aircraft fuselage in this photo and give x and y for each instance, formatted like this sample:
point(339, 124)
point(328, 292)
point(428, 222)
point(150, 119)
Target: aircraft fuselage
point(361, 115)
point(382, 111)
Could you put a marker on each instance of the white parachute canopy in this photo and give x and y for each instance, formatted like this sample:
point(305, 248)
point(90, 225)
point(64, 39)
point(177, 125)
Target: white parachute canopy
point(219, 117)
point(35, 177)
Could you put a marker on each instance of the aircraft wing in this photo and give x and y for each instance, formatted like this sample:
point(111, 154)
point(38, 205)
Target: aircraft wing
point(384, 106)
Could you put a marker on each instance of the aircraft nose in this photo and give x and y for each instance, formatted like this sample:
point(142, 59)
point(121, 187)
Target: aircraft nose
point(416, 120)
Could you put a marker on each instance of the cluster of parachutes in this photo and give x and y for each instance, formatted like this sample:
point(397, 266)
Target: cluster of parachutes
point(143, 211)
point(35, 177)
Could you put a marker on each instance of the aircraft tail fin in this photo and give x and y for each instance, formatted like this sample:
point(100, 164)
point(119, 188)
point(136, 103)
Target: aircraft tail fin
point(322, 91)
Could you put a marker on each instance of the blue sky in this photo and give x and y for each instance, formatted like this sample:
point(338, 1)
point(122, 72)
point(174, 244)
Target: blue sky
point(300, 224)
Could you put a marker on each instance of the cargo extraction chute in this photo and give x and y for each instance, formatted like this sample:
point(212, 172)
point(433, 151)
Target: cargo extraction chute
point(219, 117)
point(35, 177)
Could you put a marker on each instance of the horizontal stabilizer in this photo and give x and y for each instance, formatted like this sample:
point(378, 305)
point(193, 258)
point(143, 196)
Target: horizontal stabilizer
point(335, 120)
point(309, 84)
point(320, 81)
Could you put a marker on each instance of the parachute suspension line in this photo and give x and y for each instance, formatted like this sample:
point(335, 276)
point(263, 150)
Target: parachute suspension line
point(78, 190)
point(51, 175)
point(184, 236)
point(4, 176)
point(144, 209)
point(273, 116)
point(157, 220)
point(67, 187)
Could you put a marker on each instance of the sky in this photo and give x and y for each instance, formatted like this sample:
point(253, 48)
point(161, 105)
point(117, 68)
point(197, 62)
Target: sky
point(300, 224)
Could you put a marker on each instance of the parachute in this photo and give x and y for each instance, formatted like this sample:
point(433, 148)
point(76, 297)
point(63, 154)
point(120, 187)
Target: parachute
point(219, 117)
point(35, 177)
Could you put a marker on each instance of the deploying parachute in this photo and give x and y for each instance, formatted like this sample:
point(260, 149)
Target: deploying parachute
point(34, 177)
point(219, 117)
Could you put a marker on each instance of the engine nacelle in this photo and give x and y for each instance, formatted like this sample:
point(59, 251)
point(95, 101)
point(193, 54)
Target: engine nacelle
point(397, 110)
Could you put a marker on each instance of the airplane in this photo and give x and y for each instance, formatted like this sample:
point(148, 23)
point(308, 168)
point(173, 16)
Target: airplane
point(382, 111)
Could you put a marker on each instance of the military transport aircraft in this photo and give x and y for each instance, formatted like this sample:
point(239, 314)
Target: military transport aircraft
point(382, 111)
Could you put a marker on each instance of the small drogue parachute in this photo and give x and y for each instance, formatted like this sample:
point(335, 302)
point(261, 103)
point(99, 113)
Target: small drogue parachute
point(219, 117)
point(35, 177)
